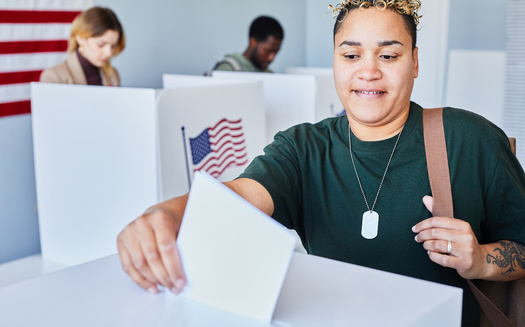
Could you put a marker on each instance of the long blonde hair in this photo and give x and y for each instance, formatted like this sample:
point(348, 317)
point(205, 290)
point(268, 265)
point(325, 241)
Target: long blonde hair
point(95, 22)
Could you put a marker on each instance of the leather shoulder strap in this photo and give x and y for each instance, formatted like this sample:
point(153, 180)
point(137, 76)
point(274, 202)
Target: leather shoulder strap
point(438, 173)
point(437, 162)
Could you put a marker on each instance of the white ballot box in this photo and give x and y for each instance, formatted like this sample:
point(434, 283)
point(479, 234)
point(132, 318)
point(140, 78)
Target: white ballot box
point(316, 292)
point(103, 155)
point(292, 99)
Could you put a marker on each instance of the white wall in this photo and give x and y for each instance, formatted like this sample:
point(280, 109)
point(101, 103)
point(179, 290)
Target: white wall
point(319, 41)
point(189, 37)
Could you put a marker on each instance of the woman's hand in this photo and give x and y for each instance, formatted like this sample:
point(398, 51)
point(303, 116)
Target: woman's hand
point(451, 243)
point(148, 250)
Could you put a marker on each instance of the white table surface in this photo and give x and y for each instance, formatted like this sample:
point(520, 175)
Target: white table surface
point(316, 292)
point(26, 268)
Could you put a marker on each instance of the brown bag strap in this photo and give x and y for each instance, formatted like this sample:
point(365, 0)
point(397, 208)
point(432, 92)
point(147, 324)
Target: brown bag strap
point(439, 175)
point(437, 162)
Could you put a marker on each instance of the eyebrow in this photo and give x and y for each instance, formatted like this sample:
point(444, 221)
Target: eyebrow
point(380, 43)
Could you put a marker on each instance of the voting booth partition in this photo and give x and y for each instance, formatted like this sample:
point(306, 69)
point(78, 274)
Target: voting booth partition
point(326, 96)
point(170, 81)
point(310, 70)
point(18, 217)
point(218, 128)
point(102, 155)
point(292, 99)
point(95, 166)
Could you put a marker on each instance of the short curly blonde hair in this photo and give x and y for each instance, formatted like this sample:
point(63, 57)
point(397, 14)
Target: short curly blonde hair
point(407, 8)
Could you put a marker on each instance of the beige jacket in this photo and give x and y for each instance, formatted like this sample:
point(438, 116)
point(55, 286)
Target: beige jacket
point(70, 72)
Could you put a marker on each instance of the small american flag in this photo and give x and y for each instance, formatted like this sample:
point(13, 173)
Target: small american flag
point(33, 36)
point(219, 147)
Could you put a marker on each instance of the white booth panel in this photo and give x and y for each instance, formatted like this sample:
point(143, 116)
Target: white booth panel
point(432, 43)
point(476, 82)
point(95, 154)
point(175, 80)
point(18, 217)
point(328, 103)
point(216, 128)
point(310, 70)
point(290, 99)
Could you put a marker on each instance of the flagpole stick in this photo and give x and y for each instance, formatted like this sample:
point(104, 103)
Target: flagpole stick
point(186, 156)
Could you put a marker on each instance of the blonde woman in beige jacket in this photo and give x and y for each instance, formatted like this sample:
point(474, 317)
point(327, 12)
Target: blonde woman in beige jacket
point(96, 37)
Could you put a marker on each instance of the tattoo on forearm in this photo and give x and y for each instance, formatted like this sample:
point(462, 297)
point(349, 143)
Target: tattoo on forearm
point(511, 255)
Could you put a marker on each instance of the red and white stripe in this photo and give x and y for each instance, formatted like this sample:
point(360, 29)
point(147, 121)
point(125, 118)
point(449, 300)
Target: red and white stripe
point(228, 148)
point(33, 36)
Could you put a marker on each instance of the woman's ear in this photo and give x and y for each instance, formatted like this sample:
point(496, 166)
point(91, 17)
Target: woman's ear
point(80, 40)
point(415, 59)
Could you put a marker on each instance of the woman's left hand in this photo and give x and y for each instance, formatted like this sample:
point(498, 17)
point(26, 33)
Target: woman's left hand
point(451, 243)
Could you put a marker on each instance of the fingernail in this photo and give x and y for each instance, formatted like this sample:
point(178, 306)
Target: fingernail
point(152, 290)
point(180, 283)
point(415, 238)
point(175, 290)
point(414, 228)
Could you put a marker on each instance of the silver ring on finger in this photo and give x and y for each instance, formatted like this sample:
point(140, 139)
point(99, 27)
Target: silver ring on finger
point(449, 247)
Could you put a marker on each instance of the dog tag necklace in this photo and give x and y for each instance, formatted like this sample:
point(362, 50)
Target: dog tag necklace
point(370, 223)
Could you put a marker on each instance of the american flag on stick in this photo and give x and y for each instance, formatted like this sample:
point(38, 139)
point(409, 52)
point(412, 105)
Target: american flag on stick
point(219, 147)
point(33, 36)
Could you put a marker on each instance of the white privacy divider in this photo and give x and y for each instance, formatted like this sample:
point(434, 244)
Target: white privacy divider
point(327, 100)
point(103, 155)
point(291, 99)
point(95, 163)
point(226, 123)
point(310, 70)
point(178, 80)
point(476, 82)
point(18, 218)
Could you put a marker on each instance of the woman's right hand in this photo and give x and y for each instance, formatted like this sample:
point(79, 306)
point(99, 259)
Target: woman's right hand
point(148, 250)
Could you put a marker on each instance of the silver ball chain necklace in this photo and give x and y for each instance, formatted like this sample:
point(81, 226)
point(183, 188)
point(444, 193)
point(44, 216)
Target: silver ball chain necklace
point(370, 222)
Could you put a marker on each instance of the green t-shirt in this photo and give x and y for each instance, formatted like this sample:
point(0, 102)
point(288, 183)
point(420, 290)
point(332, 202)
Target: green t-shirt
point(308, 172)
point(238, 62)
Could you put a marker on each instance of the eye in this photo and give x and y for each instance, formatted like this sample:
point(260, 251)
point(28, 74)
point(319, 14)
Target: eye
point(351, 56)
point(388, 57)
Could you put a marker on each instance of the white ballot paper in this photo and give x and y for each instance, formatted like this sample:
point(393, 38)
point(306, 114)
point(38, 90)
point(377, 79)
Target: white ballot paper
point(235, 257)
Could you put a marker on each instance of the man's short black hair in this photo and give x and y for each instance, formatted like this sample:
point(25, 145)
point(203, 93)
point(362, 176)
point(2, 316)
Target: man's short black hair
point(263, 27)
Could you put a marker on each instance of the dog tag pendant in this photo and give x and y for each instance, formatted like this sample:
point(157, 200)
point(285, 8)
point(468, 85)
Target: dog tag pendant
point(370, 224)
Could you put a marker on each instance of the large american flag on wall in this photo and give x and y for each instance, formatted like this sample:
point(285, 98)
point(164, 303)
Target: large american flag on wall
point(219, 147)
point(33, 36)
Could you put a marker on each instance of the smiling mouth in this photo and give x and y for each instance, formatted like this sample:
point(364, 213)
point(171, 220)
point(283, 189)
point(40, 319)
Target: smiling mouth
point(369, 92)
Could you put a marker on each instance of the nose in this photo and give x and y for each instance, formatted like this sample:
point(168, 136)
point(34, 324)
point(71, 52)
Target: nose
point(369, 69)
point(271, 57)
point(108, 50)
